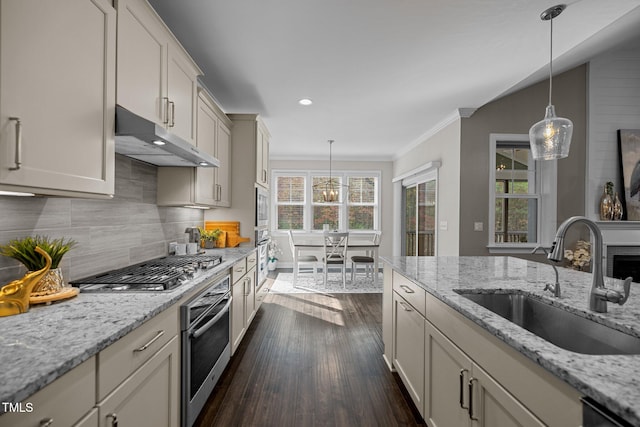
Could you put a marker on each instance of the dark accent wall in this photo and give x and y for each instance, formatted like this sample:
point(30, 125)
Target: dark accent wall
point(515, 113)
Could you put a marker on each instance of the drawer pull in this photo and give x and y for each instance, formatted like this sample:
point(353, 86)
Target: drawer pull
point(173, 114)
point(146, 346)
point(251, 260)
point(114, 419)
point(47, 422)
point(470, 410)
point(407, 289)
point(404, 306)
point(18, 157)
point(461, 397)
point(165, 119)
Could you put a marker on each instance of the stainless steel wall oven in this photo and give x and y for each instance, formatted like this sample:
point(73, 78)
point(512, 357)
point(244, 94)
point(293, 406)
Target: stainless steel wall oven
point(262, 208)
point(205, 332)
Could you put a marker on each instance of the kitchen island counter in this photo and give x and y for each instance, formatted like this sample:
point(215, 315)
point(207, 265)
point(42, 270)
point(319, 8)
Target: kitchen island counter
point(41, 345)
point(608, 379)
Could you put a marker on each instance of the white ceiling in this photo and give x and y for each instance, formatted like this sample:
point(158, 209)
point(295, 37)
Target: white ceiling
point(382, 73)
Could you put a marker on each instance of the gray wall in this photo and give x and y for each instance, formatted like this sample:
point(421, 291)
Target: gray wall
point(110, 233)
point(516, 113)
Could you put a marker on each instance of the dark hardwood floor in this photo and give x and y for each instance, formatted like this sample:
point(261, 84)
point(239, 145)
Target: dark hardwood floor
point(311, 360)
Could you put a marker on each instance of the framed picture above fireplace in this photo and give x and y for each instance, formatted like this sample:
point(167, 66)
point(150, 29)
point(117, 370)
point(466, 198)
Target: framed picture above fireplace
point(629, 149)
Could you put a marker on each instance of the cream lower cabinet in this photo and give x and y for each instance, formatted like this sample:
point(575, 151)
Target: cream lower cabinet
point(139, 375)
point(148, 397)
point(57, 97)
point(408, 348)
point(68, 401)
point(243, 294)
point(458, 374)
point(459, 393)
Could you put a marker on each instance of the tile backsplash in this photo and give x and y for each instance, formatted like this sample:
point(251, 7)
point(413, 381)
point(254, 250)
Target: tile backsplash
point(109, 233)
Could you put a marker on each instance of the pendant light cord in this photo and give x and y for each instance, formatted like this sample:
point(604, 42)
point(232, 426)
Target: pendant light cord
point(550, 59)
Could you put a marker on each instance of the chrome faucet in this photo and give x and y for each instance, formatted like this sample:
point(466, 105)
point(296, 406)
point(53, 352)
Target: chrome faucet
point(555, 288)
point(599, 294)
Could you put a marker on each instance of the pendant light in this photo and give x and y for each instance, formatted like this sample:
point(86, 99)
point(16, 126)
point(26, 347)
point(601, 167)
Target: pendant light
point(331, 188)
point(550, 138)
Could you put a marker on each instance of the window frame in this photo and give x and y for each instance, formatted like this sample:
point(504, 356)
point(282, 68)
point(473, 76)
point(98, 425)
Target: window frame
point(545, 182)
point(343, 219)
point(274, 214)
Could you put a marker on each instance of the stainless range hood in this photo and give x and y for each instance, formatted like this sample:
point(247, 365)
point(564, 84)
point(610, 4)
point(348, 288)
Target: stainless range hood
point(148, 142)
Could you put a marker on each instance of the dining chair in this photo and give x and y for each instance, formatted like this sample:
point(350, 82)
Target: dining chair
point(335, 253)
point(302, 261)
point(367, 260)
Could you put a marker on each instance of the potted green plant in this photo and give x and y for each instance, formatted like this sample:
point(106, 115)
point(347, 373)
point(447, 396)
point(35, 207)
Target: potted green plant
point(209, 237)
point(24, 251)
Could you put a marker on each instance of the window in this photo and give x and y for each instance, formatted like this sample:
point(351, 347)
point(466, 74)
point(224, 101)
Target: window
point(521, 202)
point(299, 202)
point(362, 203)
point(290, 202)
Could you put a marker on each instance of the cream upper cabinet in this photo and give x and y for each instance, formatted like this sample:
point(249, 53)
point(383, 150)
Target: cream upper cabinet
point(262, 157)
point(156, 78)
point(209, 187)
point(223, 173)
point(57, 97)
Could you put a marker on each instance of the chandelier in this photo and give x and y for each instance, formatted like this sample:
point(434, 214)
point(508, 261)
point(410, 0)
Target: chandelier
point(331, 189)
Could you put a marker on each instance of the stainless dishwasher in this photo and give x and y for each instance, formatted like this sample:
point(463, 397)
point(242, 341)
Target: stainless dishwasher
point(595, 415)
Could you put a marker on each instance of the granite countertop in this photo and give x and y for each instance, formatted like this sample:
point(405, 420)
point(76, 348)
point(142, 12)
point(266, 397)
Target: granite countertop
point(609, 379)
point(39, 346)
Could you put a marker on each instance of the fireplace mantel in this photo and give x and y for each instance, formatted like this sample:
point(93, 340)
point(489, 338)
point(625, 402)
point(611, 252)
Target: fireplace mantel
point(619, 238)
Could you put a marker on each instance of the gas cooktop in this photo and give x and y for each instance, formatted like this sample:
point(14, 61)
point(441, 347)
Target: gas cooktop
point(161, 274)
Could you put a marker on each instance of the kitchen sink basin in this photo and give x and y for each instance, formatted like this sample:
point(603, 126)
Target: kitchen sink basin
point(556, 325)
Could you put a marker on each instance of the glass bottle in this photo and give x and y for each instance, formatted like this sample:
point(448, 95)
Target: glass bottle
point(617, 208)
point(606, 206)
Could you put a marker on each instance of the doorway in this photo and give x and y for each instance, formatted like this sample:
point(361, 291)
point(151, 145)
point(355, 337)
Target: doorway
point(419, 202)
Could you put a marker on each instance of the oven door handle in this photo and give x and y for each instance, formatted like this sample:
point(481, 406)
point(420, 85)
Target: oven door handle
point(210, 323)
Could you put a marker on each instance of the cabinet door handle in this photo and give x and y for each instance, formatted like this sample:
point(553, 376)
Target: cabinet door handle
point(114, 419)
point(470, 410)
point(404, 306)
point(47, 422)
point(151, 341)
point(18, 157)
point(165, 118)
point(173, 114)
point(461, 396)
point(407, 289)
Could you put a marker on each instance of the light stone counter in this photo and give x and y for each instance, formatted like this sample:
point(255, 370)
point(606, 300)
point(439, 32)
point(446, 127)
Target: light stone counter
point(41, 345)
point(612, 380)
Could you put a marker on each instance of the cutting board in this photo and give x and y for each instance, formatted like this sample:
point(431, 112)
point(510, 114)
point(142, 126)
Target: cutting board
point(230, 238)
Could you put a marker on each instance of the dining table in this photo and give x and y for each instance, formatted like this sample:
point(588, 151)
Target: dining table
point(357, 242)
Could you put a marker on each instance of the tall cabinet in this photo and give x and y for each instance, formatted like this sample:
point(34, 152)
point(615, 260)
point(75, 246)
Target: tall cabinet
point(205, 187)
point(157, 79)
point(57, 97)
point(250, 145)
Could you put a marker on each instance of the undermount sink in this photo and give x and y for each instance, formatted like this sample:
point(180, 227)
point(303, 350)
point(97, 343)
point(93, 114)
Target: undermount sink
point(560, 327)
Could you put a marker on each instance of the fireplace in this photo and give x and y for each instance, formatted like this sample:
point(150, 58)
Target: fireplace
point(623, 261)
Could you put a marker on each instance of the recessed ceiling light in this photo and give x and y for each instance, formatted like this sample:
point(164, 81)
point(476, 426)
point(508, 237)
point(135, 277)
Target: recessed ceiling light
point(158, 142)
point(305, 102)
